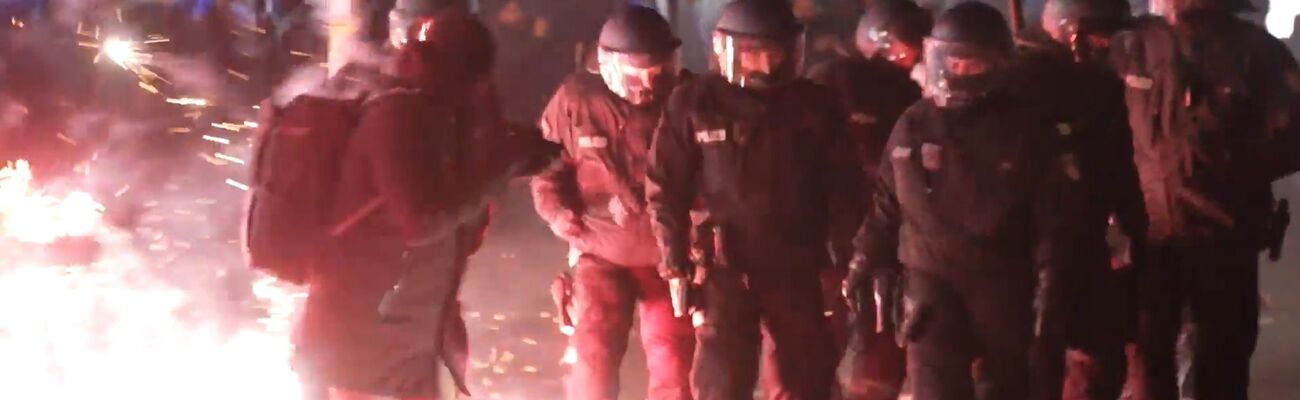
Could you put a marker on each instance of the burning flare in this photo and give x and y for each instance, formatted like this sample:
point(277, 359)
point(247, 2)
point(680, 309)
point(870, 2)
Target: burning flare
point(32, 217)
point(115, 327)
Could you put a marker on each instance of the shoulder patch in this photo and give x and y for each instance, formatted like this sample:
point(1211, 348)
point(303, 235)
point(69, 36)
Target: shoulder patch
point(931, 156)
point(1071, 166)
point(901, 152)
point(593, 142)
point(1064, 129)
point(1138, 82)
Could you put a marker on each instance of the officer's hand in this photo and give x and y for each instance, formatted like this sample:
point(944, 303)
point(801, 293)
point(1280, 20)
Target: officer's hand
point(857, 285)
point(683, 269)
point(620, 211)
point(887, 285)
point(568, 225)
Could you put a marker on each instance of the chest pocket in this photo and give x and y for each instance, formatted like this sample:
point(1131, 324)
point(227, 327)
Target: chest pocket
point(955, 189)
point(591, 148)
point(721, 157)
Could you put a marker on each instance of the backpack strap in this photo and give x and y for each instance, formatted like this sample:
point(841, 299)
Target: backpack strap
point(366, 99)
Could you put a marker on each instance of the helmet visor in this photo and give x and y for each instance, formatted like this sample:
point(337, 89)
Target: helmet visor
point(1088, 38)
point(884, 44)
point(958, 74)
point(637, 78)
point(754, 62)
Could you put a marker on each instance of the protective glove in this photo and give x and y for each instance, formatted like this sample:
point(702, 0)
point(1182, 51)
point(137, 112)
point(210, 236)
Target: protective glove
point(619, 211)
point(888, 288)
point(568, 225)
point(874, 294)
point(677, 268)
point(857, 286)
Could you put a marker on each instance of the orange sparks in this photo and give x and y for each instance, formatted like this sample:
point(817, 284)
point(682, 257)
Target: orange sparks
point(237, 184)
point(148, 88)
point(188, 101)
point(216, 139)
point(229, 158)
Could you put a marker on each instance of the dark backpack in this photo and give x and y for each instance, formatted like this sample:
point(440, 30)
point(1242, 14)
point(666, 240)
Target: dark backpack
point(1199, 123)
point(297, 157)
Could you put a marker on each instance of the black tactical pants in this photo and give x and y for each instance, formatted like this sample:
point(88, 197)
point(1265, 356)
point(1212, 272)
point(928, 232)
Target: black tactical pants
point(1097, 366)
point(969, 336)
point(785, 305)
point(1219, 284)
point(1079, 353)
point(876, 365)
point(606, 297)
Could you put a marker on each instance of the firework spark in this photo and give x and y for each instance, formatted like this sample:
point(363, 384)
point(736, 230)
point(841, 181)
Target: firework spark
point(122, 52)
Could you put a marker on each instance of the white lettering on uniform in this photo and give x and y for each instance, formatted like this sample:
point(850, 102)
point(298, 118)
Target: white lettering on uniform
point(901, 152)
point(711, 136)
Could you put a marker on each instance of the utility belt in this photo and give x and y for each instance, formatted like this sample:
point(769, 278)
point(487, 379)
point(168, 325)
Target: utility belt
point(720, 245)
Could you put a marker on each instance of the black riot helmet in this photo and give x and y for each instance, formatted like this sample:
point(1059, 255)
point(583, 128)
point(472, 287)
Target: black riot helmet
point(757, 43)
point(894, 30)
point(1086, 26)
point(966, 54)
point(637, 54)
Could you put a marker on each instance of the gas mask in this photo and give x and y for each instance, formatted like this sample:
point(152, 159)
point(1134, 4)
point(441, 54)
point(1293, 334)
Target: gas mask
point(637, 78)
point(756, 63)
point(959, 75)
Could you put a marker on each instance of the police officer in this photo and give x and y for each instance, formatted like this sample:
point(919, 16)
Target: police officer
point(973, 196)
point(873, 86)
point(763, 152)
point(1212, 105)
point(594, 199)
point(1065, 72)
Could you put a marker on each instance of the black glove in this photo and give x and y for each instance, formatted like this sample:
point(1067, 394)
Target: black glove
point(858, 290)
point(874, 294)
point(677, 267)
